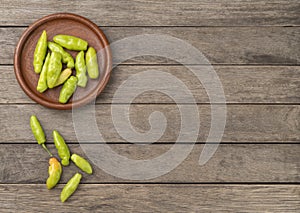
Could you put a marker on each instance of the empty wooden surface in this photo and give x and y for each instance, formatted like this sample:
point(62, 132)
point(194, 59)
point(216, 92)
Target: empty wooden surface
point(153, 198)
point(254, 49)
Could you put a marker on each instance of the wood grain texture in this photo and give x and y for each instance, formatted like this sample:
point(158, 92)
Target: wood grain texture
point(245, 123)
point(157, 13)
point(231, 163)
point(264, 110)
point(237, 45)
point(241, 84)
point(153, 198)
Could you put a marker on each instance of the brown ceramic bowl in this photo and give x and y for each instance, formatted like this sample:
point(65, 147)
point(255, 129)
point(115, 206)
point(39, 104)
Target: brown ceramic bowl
point(61, 23)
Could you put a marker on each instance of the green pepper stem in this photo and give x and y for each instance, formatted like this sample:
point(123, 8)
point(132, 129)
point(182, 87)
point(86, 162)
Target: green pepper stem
point(46, 149)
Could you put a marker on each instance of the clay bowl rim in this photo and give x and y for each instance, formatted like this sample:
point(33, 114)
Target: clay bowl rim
point(77, 103)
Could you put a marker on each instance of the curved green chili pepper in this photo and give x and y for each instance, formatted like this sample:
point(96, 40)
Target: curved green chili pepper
point(81, 69)
point(54, 171)
point(70, 187)
point(38, 132)
point(71, 42)
point(66, 57)
point(64, 75)
point(68, 89)
point(54, 69)
point(82, 163)
point(92, 63)
point(42, 83)
point(40, 52)
point(62, 148)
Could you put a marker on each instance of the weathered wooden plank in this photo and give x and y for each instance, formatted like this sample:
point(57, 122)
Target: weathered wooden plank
point(153, 198)
point(159, 13)
point(245, 123)
point(28, 163)
point(241, 84)
point(237, 45)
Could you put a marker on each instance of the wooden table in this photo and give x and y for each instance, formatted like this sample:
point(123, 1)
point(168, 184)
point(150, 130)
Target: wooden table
point(254, 48)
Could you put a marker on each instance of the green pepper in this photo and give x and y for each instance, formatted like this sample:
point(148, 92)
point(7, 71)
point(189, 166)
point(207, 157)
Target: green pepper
point(62, 148)
point(81, 69)
point(66, 57)
point(82, 163)
point(40, 52)
point(92, 63)
point(38, 132)
point(71, 42)
point(54, 69)
point(70, 187)
point(42, 83)
point(64, 75)
point(68, 89)
point(54, 171)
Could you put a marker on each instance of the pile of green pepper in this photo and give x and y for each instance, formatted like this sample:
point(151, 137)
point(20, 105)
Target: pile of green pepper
point(55, 169)
point(49, 65)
